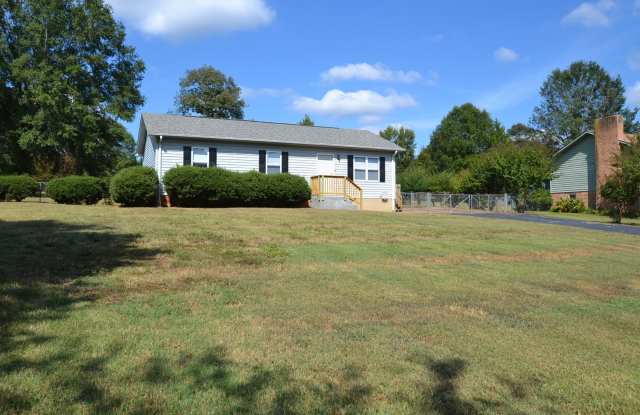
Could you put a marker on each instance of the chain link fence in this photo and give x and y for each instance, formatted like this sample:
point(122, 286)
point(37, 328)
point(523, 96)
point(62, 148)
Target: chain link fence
point(489, 202)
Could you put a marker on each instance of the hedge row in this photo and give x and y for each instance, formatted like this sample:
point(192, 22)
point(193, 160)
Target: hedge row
point(197, 187)
point(132, 186)
point(74, 190)
point(135, 186)
point(17, 188)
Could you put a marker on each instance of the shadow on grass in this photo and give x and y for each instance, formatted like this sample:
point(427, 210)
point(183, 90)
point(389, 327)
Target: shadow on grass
point(243, 389)
point(443, 396)
point(42, 266)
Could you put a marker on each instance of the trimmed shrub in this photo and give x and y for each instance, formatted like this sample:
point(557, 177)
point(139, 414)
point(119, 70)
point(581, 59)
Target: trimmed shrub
point(17, 187)
point(540, 200)
point(567, 205)
point(74, 190)
point(135, 186)
point(189, 186)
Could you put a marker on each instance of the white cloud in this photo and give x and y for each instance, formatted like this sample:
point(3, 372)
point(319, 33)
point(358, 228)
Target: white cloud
point(248, 92)
point(506, 55)
point(176, 18)
point(591, 14)
point(367, 72)
point(363, 102)
point(369, 119)
point(633, 95)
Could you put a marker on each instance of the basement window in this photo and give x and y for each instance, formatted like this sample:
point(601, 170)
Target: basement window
point(572, 196)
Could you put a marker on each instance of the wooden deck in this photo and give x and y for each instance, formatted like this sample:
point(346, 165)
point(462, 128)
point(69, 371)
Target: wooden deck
point(337, 186)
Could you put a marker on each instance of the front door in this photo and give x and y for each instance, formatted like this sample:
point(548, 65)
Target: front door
point(326, 164)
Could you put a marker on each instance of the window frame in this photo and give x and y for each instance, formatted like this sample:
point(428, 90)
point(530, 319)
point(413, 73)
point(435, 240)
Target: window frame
point(267, 165)
point(366, 168)
point(193, 163)
point(377, 169)
point(355, 167)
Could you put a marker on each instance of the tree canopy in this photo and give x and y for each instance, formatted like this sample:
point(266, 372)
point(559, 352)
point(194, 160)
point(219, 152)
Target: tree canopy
point(572, 99)
point(66, 78)
point(464, 132)
point(405, 138)
point(517, 168)
point(622, 188)
point(306, 121)
point(207, 91)
point(521, 132)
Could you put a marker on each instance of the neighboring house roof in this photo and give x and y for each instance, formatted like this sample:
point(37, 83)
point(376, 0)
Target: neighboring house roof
point(627, 139)
point(573, 142)
point(181, 126)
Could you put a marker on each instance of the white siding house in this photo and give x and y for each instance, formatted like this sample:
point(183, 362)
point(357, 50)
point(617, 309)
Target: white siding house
point(167, 141)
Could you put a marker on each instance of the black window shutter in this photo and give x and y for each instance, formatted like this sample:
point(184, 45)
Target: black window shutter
point(262, 161)
point(213, 157)
point(285, 162)
point(186, 156)
point(382, 171)
point(350, 166)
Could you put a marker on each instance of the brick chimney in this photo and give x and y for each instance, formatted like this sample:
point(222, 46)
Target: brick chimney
point(609, 132)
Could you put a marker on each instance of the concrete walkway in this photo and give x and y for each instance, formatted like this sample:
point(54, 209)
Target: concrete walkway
point(595, 226)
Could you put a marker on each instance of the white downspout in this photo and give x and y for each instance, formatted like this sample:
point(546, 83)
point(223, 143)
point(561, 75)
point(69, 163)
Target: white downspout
point(160, 191)
point(395, 184)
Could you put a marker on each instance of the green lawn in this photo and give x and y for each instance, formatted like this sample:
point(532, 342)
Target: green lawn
point(589, 217)
point(112, 310)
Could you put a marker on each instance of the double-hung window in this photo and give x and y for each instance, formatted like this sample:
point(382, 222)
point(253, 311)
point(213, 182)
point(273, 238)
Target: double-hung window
point(373, 171)
point(274, 162)
point(200, 157)
point(366, 168)
point(360, 168)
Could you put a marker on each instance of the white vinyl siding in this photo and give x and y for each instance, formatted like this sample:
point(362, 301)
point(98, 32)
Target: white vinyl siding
point(149, 156)
point(303, 161)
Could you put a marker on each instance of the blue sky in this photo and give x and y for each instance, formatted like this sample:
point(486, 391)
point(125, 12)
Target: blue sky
point(368, 64)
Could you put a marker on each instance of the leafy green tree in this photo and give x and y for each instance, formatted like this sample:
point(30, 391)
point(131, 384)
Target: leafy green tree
point(66, 79)
point(517, 168)
point(574, 98)
point(405, 138)
point(209, 92)
point(622, 189)
point(306, 121)
point(418, 179)
point(466, 131)
point(522, 132)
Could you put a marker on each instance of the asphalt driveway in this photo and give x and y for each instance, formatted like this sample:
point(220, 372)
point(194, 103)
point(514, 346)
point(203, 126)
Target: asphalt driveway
point(595, 226)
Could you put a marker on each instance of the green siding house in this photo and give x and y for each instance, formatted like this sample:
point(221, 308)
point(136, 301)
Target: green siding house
point(576, 167)
point(584, 165)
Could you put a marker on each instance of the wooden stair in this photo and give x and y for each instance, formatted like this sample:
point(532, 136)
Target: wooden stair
point(333, 186)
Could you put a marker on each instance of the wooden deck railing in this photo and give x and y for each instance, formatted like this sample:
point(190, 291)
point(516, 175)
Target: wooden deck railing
point(336, 186)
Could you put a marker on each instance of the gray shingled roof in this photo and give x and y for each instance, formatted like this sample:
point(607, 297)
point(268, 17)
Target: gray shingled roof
point(255, 131)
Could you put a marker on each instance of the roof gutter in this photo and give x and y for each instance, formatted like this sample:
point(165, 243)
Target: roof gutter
point(283, 143)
